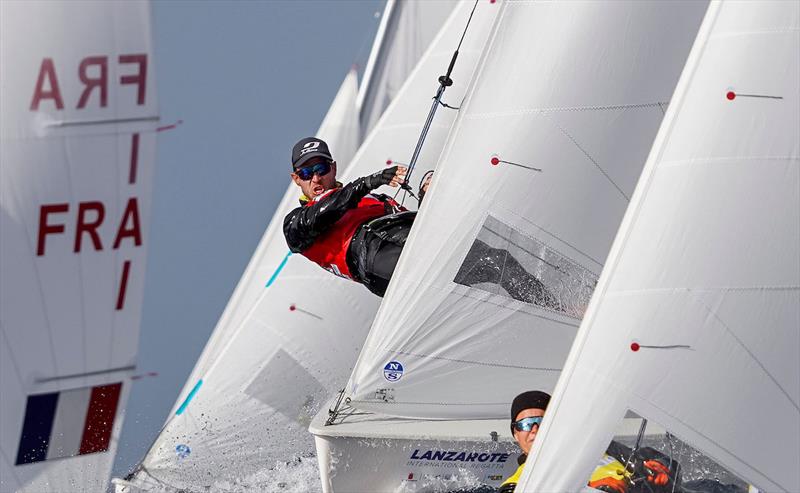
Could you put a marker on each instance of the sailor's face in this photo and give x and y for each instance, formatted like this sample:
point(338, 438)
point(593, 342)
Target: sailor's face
point(317, 184)
point(525, 438)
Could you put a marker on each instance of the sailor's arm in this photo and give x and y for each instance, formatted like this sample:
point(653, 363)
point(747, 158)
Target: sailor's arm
point(303, 225)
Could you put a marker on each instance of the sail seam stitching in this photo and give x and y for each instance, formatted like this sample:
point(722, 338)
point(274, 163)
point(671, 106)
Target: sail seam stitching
point(608, 177)
point(544, 111)
point(538, 315)
point(364, 401)
point(454, 360)
point(747, 350)
point(706, 290)
point(698, 161)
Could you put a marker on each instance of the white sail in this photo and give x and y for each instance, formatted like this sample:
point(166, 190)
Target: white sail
point(406, 30)
point(707, 259)
point(256, 388)
point(77, 150)
point(164, 460)
point(339, 129)
point(503, 259)
point(398, 47)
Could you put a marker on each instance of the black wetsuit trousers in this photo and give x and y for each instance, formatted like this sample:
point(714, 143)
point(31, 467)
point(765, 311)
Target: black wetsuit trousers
point(376, 248)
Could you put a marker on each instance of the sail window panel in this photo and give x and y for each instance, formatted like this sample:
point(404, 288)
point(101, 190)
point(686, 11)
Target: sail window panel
point(277, 385)
point(638, 442)
point(508, 263)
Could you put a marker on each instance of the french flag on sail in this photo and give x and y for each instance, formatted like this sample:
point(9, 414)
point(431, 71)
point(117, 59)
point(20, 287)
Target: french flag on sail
point(68, 423)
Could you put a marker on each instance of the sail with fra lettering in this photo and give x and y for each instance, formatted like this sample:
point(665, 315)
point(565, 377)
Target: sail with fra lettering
point(290, 333)
point(696, 321)
point(506, 250)
point(78, 124)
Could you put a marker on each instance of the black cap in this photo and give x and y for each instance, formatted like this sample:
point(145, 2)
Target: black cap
point(532, 399)
point(308, 148)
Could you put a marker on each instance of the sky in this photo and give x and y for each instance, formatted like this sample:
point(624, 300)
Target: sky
point(248, 79)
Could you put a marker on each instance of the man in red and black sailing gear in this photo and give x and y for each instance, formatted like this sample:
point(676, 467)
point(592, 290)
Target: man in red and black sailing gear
point(359, 235)
point(346, 229)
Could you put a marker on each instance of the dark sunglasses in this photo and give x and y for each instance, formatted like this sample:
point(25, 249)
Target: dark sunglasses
point(308, 172)
point(526, 424)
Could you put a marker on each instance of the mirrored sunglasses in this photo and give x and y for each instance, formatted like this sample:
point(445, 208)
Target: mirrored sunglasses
point(526, 424)
point(308, 172)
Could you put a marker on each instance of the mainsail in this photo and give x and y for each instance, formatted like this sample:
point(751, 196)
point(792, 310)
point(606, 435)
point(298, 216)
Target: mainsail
point(696, 321)
point(530, 190)
point(77, 147)
point(292, 345)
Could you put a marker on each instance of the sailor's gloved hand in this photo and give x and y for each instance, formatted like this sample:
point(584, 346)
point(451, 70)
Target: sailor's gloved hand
point(656, 472)
point(393, 176)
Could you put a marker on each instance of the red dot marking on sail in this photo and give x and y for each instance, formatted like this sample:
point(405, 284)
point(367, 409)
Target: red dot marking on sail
point(635, 346)
point(495, 161)
point(292, 308)
point(388, 162)
point(492, 1)
point(731, 95)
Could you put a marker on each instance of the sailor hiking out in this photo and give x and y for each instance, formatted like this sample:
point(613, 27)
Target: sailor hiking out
point(359, 235)
point(346, 229)
point(620, 469)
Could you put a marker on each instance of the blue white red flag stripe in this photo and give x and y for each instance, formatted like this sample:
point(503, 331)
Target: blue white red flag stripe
point(36, 428)
point(68, 423)
point(100, 418)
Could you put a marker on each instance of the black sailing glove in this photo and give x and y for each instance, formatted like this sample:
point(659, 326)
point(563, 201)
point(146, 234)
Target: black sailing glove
point(380, 178)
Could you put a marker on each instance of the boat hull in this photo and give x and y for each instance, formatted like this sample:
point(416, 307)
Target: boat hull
point(385, 454)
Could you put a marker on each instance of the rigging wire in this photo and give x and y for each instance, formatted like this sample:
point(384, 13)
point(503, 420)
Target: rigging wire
point(444, 82)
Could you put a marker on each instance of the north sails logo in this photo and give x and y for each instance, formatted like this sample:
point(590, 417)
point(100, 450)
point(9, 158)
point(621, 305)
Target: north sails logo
point(455, 456)
point(393, 371)
point(182, 451)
